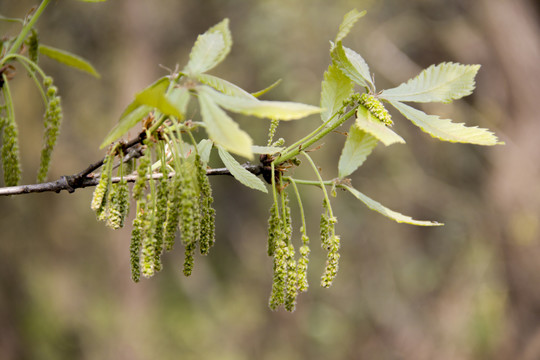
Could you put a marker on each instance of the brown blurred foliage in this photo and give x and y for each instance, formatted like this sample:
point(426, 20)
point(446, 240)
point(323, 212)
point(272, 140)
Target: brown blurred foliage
point(468, 290)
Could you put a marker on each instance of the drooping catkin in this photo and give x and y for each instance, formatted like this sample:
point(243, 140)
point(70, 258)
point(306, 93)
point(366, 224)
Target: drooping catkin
point(303, 262)
point(173, 211)
point(10, 152)
point(136, 241)
point(291, 291)
point(189, 213)
point(161, 215)
point(207, 231)
point(277, 296)
point(52, 121)
point(274, 228)
point(101, 192)
point(33, 46)
point(148, 240)
point(332, 262)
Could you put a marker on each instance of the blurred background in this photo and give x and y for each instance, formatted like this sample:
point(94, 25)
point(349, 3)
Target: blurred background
point(468, 290)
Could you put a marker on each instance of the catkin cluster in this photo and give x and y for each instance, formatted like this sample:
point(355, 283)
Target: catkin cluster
point(376, 108)
point(52, 121)
point(289, 275)
point(180, 200)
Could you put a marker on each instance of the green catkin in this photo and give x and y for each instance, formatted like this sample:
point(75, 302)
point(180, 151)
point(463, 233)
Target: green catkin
point(277, 297)
point(274, 228)
point(148, 239)
point(332, 262)
point(207, 231)
point(189, 214)
point(53, 119)
point(136, 241)
point(161, 214)
point(292, 279)
point(303, 263)
point(101, 192)
point(10, 153)
point(173, 211)
point(113, 218)
point(272, 131)
point(142, 171)
point(376, 108)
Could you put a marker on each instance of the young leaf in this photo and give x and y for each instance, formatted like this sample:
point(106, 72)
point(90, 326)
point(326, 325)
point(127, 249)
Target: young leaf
point(224, 86)
point(352, 65)
point(279, 110)
point(358, 146)
point(204, 147)
point(445, 129)
point(335, 88)
point(368, 123)
point(375, 206)
point(155, 96)
point(210, 49)
point(444, 82)
point(266, 149)
point(180, 97)
point(68, 59)
point(125, 124)
point(222, 129)
point(348, 22)
point(240, 173)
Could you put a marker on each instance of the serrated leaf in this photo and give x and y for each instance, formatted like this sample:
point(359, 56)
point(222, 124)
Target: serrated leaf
point(335, 88)
point(444, 82)
point(156, 96)
point(224, 86)
point(352, 65)
point(266, 149)
point(204, 148)
point(348, 22)
point(370, 124)
point(358, 146)
point(125, 124)
point(375, 206)
point(445, 129)
point(68, 59)
point(279, 110)
point(240, 173)
point(266, 89)
point(210, 49)
point(222, 129)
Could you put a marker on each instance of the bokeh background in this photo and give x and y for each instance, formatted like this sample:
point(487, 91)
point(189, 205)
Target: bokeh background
point(468, 290)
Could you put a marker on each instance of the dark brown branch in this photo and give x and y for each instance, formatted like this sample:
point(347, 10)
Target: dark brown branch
point(73, 182)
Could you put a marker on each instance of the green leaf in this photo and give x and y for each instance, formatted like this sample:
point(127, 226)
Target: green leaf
point(179, 97)
point(239, 172)
point(224, 86)
point(266, 89)
point(352, 65)
point(155, 96)
point(68, 59)
point(125, 124)
point(266, 149)
point(375, 206)
point(370, 124)
point(444, 82)
point(358, 146)
point(210, 49)
point(335, 88)
point(279, 110)
point(222, 129)
point(445, 129)
point(204, 148)
point(348, 22)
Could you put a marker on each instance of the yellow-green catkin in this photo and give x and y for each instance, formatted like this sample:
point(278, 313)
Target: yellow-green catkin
point(274, 228)
point(53, 119)
point(207, 231)
point(161, 215)
point(279, 284)
point(10, 152)
point(376, 108)
point(303, 262)
point(272, 131)
point(189, 213)
point(148, 240)
point(332, 261)
point(136, 241)
point(173, 211)
point(99, 198)
point(291, 291)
